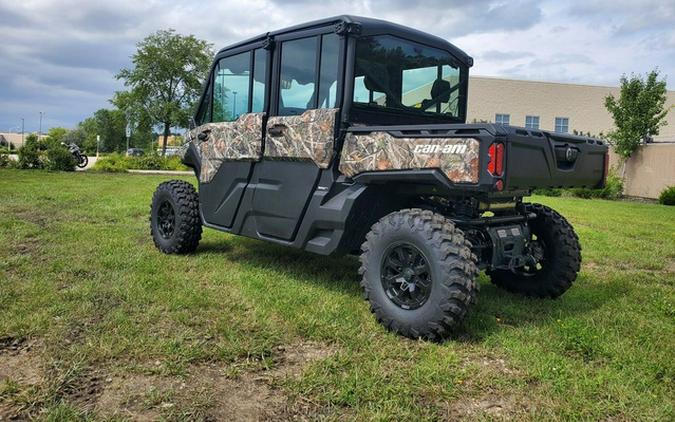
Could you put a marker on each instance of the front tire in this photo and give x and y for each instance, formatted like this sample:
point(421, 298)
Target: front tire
point(418, 273)
point(556, 246)
point(175, 224)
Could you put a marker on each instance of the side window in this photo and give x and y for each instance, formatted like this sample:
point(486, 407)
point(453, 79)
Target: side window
point(231, 87)
point(204, 112)
point(259, 81)
point(330, 49)
point(298, 74)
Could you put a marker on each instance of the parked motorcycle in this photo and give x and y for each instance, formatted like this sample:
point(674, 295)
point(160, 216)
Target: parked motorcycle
point(82, 159)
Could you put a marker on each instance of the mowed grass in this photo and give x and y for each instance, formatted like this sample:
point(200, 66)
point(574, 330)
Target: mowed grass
point(83, 285)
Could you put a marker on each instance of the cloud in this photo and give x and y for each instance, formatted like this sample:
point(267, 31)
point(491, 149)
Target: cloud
point(60, 57)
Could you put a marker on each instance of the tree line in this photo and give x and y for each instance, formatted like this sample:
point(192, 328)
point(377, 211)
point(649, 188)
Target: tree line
point(162, 86)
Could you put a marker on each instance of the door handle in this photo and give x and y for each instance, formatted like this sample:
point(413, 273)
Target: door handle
point(204, 135)
point(276, 130)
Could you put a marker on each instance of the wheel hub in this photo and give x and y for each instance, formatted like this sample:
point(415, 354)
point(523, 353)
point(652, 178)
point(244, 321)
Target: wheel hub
point(406, 276)
point(166, 219)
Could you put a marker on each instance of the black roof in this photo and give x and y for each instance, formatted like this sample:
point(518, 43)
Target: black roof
point(369, 26)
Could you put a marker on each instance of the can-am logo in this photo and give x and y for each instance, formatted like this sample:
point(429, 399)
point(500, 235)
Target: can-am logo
point(443, 149)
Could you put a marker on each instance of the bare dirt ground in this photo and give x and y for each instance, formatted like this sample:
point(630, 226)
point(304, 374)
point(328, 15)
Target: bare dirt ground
point(207, 391)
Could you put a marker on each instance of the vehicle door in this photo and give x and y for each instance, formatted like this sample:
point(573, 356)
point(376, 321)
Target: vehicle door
point(300, 133)
point(230, 134)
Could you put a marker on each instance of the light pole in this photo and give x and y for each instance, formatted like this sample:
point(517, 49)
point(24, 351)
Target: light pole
point(40, 131)
point(22, 121)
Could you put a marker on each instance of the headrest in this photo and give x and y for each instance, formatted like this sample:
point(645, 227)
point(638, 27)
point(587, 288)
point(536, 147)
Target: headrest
point(440, 91)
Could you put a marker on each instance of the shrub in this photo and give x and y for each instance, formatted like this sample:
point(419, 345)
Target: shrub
point(30, 156)
point(5, 161)
point(149, 162)
point(613, 189)
point(613, 186)
point(667, 196)
point(113, 163)
point(60, 159)
point(121, 163)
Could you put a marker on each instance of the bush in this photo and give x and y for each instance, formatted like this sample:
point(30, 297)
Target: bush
point(613, 189)
point(113, 163)
point(60, 159)
point(120, 163)
point(6, 162)
point(667, 197)
point(30, 156)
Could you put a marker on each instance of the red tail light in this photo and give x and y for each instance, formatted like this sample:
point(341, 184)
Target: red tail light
point(496, 164)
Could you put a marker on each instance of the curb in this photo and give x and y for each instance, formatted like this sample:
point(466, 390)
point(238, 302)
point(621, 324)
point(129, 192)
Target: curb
point(167, 172)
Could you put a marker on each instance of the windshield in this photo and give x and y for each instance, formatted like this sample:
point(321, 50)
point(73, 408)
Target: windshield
point(405, 77)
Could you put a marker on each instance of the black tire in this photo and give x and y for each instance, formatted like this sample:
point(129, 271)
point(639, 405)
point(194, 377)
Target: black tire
point(451, 274)
point(560, 263)
point(175, 224)
point(82, 161)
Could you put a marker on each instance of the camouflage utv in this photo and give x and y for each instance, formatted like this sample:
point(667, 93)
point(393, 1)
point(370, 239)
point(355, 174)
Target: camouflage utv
point(347, 136)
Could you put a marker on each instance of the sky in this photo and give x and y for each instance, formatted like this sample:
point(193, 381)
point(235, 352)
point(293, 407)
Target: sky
point(60, 57)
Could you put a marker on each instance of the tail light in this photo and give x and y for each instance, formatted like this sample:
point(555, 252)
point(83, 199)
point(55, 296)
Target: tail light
point(496, 164)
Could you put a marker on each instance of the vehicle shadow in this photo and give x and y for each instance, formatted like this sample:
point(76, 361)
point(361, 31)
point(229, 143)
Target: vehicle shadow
point(495, 311)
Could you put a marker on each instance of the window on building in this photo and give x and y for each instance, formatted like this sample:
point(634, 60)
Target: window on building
point(532, 122)
point(502, 119)
point(259, 80)
point(231, 81)
point(298, 76)
point(562, 124)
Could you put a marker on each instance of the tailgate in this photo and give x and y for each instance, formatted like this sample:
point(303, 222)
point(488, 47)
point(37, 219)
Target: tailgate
point(539, 159)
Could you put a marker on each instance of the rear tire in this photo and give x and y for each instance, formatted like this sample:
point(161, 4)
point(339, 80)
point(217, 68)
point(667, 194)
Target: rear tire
point(561, 258)
point(82, 161)
point(175, 223)
point(418, 273)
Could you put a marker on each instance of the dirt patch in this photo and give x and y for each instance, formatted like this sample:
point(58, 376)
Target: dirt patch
point(21, 368)
point(19, 362)
point(489, 406)
point(212, 392)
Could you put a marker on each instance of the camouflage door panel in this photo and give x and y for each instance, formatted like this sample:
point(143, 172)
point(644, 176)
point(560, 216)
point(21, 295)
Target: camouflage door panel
point(309, 136)
point(456, 157)
point(240, 140)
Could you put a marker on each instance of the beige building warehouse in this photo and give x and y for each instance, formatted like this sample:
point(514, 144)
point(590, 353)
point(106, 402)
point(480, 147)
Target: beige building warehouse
point(549, 106)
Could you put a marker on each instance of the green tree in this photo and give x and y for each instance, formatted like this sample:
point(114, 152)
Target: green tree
point(56, 135)
point(166, 78)
point(110, 125)
point(76, 136)
point(638, 113)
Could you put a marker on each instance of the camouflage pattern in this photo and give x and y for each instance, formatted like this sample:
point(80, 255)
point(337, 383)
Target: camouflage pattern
point(309, 136)
point(240, 140)
point(456, 157)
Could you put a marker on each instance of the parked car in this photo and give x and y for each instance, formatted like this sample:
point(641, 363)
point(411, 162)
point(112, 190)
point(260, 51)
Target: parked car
point(135, 152)
point(349, 136)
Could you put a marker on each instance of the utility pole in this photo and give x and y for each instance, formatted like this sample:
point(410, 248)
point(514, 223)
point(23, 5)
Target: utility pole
point(22, 122)
point(40, 131)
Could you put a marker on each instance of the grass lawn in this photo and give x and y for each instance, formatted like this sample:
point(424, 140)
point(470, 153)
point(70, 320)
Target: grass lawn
point(95, 323)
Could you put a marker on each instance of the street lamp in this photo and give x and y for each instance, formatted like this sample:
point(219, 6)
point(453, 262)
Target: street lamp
point(40, 131)
point(22, 121)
